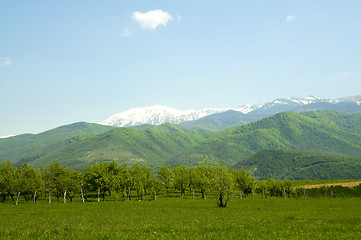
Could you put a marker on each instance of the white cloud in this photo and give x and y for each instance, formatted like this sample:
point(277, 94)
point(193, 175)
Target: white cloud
point(152, 19)
point(179, 17)
point(127, 32)
point(290, 18)
point(346, 73)
point(5, 61)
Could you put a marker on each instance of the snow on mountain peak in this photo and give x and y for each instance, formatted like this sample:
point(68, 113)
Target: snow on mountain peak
point(247, 108)
point(157, 115)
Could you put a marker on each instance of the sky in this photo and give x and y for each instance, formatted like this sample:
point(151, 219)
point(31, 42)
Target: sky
point(65, 61)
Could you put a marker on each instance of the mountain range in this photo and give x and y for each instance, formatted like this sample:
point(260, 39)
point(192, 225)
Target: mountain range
point(218, 119)
point(300, 143)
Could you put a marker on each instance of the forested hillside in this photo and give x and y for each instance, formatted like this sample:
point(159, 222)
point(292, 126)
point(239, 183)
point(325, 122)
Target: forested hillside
point(320, 133)
point(29, 147)
point(221, 121)
point(295, 165)
point(150, 146)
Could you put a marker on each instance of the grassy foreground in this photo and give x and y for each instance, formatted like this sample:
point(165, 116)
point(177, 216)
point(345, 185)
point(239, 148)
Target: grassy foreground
point(271, 218)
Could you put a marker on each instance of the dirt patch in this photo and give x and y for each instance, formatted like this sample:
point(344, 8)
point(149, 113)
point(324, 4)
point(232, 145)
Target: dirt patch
point(344, 184)
point(137, 160)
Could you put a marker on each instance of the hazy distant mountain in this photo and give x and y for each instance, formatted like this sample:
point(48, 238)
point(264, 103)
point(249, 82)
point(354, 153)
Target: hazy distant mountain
point(218, 119)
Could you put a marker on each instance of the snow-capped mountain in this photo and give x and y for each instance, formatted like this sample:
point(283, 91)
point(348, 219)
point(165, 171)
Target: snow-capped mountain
point(356, 99)
point(157, 114)
point(288, 104)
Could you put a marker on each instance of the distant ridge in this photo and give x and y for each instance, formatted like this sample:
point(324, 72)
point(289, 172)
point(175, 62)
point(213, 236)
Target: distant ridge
point(157, 114)
point(309, 145)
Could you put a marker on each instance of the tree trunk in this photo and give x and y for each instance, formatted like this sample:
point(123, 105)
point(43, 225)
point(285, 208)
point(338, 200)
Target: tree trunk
point(17, 199)
point(263, 193)
point(252, 194)
point(65, 196)
point(167, 192)
point(99, 195)
point(49, 196)
point(205, 196)
point(35, 197)
point(284, 193)
point(304, 193)
point(240, 193)
point(220, 201)
point(82, 194)
point(193, 193)
point(128, 195)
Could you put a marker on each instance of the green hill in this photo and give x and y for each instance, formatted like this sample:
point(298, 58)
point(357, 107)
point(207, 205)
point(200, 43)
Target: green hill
point(321, 133)
point(29, 147)
point(324, 132)
point(295, 165)
point(221, 121)
point(151, 146)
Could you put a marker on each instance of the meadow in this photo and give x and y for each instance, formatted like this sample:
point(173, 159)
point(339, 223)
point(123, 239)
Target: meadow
point(175, 218)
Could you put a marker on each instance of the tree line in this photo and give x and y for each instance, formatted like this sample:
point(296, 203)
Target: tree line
point(105, 179)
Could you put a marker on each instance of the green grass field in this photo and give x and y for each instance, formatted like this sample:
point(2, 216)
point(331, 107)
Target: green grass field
point(271, 218)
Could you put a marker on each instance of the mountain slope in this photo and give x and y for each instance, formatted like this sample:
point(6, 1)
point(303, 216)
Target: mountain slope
point(221, 121)
point(150, 146)
point(323, 132)
point(28, 147)
point(285, 130)
point(295, 165)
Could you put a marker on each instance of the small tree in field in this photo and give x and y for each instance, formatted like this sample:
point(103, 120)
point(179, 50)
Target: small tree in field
point(7, 180)
point(140, 176)
point(28, 181)
point(72, 184)
point(243, 181)
point(165, 174)
point(96, 178)
point(155, 186)
point(203, 179)
point(222, 184)
point(181, 178)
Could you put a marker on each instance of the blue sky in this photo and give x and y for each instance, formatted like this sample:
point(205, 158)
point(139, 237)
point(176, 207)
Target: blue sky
point(64, 61)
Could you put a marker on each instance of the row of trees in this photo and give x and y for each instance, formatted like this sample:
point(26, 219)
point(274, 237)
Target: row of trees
point(109, 177)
